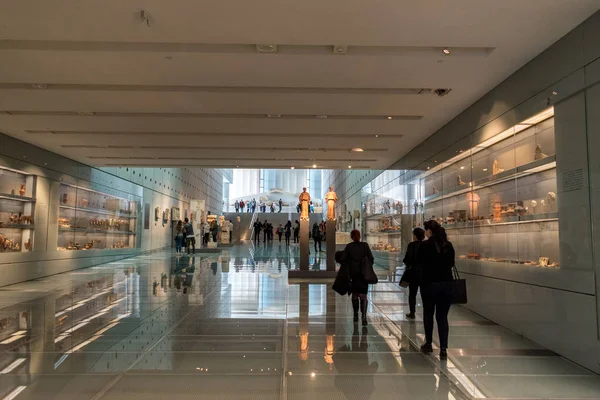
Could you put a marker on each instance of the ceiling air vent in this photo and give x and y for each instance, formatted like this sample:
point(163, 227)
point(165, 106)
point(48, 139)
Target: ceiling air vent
point(266, 48)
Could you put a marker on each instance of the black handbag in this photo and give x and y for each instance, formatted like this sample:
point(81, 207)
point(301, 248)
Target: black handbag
point(458, 288)
point(366, 267)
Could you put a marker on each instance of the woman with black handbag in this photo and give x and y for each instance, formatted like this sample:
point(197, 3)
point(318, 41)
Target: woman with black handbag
point(356, 254)
point(436, 257)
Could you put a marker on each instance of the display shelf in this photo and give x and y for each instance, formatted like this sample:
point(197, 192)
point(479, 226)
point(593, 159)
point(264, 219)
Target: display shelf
point(383, 233)
point(95, 231)
point(515, 173)
point(16, 226)
point(516, 220)
point(99, 211)
point(15, 197)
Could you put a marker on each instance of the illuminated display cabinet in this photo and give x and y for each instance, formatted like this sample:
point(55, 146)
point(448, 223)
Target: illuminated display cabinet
point(497, 200)
point(17, 206)
point(92, 220)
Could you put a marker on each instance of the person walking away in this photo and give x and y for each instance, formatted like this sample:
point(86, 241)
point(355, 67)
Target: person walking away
point(265, 231)
point(288, 232)
point(296, 232)
point(257, 228)
point(436, 257)
point(280, 232)
point(412, 272)
point(179, 237)
point(237, 206)
point(214, 228)
point(354, 253)
point(280, 205)
point(316, 234)
point(205, 233)
point(190, 238)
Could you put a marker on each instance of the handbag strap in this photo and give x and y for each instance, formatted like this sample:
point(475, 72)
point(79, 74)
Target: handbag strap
point(455, 274)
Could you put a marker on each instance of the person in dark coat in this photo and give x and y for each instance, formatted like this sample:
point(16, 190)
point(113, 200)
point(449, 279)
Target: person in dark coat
point(354, 253)
point(412, 274)
point(316, 235)
point(436, 257)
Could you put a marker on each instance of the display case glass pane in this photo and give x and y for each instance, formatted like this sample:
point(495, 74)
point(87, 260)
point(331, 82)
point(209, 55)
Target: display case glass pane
point(17, 206)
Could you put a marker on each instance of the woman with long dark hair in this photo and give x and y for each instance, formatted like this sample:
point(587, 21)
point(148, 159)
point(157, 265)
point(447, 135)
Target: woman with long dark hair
point(354, 253)
point(436, 257)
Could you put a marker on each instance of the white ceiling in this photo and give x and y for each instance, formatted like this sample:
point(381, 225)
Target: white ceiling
point(90, 80)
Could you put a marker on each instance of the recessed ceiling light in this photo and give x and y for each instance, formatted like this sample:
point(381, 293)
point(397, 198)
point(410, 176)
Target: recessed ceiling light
point(554, 93)
point(39, 86)
point(485, 170)
point(274, 115)
point(446, 52)
point(428, 167)
point(376, 135)
point(321, 116)
point(292, 167)
point(340, 49)
point(390, 117)
point(349, 166)
point(266, 48)
point(314, 165)
point(462, 167)
point(357, 150)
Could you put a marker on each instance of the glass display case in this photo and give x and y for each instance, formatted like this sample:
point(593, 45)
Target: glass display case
point(497, 200)
point(17, 205)
point(92, 220)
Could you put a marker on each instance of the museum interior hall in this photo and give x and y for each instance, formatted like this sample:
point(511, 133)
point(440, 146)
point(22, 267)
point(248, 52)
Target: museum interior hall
point(227, 200)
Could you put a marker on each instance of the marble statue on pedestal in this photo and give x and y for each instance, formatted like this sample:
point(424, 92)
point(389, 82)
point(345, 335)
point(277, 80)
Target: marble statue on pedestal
point(331, 198)
point(304, 204)
point(225, 229)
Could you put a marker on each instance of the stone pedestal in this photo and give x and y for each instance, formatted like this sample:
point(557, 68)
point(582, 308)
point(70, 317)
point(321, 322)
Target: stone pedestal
point(330, 243)
point(304, 252)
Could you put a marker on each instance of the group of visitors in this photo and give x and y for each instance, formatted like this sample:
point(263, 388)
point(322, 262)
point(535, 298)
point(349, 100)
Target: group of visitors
point(184, 234)
point(311, 208)
point(266, 228)
point(251, 206)
point(429, 261)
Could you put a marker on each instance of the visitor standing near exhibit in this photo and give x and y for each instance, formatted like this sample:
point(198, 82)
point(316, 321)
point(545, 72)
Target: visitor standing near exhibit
point(316, 235)
point(242, 204)
point(354, 254)
point(296, 232)
point(280, 205)
point(280, 231)
point(205, 233)
point(179, 237)
point(412, 272)
point(257, 227)
point(265, 231)
point(190, 237)
point(436, 257)
point(237, 206)
point(288, 232)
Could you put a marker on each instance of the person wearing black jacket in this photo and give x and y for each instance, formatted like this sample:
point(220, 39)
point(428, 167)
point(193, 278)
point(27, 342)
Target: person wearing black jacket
point(316, 235)
point(257, 227)
point(436, 257)
point(354, 253)
point(412, 274)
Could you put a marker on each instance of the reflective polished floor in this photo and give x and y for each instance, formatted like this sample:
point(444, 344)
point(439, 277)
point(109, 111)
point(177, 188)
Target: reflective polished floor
point(229, 325)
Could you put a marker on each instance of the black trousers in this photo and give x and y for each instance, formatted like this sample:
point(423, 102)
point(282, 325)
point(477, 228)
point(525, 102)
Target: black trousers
point(319, 242)
point(296, 238)
point(256, 236)
point(287, 240)
point(413, 288)
point(436, 302)
point(205, 239)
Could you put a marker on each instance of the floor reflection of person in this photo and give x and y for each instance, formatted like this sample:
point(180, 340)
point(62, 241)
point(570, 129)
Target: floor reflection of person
point(355, 376)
